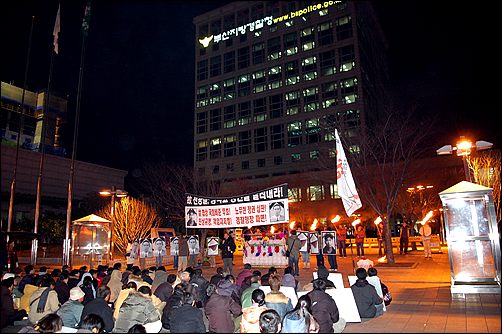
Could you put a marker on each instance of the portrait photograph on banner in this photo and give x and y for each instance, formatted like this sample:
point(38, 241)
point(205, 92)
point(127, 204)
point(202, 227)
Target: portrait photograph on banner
point(314, 243)
point(159, 246)
point(193, 245)
point(145, 248)
point(328, 242)
point(303, 236)
point(213, 246)
point(174, 249)
point(135, 249)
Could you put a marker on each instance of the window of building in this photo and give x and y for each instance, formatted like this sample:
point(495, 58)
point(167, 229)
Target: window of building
point(309, 64)
point(329, 94)
point(214, 119)
point(313, 130)
point(310, 107)
point(294, 134)
point(229, 89)
point(260, 139)
point(327, 62)
point(228, 22)
point(244, 85)
point(310, 76)
point(243, 57)
point(274, 48)
point(230, 167)
point(347, 58)
point(310, 94)
point(216, 169)
point(343, 27)
point(308, 46)
point(242, 17)
point(201, 122)
point(291, 68)
point(202, 96)
point(332, 150)
point(258, 51)
point(294, 194)
point(201, 153)
point(245, 165)
point(295, 157)
point(292, 80)
point(259, 81)
point(277, 160)
point(245, 142)
point(215, 148)
point(277, 136)
point(260, 163)
point(315, 193)
point(215, 66)
point(229, 116)
point(202, 70)
point(229, 62)
point(244, 113)
point(260, 109)
point(257, 11)
point(292, 102)
point(348, 90)
point(229, 145)
point(275, 106)
point(325, 33)
point(333, 190)
point(314, 154)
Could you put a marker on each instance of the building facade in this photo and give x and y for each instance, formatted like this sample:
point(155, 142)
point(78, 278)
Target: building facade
point(273, 80)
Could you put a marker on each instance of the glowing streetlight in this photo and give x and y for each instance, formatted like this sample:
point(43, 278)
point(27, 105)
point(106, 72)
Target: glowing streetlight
point(113, 193)
point(378, 220)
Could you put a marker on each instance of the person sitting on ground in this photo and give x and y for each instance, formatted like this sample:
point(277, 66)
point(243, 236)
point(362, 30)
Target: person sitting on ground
point(145, 276)
point(44, 300)
point(92, 323)
point(175, 301)
point(221, 308)
point(87, 287)
point(200, 285)
point(369, 304)
point(246, 272)
point(50, 323)
point(28, 292)
point(28, 278)
point(187, 318)
point(137, 308)
point(43, 270)
point(300, 319)
point(275, 299)
point(248, 281)
point(216, 278)
point(160, 278)
point(71, 311)
point(9, 313)
point(324, 309)
point(250, 320)
point(288, 279)
point(115, 285)
point(246, 295)
point(137, 329)
point(374, 280)
point(270, 322)
point(165, 290)
point(99, 306)
point(62, 289)
point(74, 278)
point(265, 278)
point(323, 274)
point(124, 293)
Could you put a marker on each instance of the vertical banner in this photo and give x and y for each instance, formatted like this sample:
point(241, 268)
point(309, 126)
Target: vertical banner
point(265, 207)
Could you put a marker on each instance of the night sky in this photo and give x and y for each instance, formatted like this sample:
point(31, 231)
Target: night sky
point(138, 84)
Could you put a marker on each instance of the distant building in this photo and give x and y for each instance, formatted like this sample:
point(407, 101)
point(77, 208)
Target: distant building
point(273, 81)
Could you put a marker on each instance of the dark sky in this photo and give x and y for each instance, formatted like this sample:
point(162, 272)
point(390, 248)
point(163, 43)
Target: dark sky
point(138, 84)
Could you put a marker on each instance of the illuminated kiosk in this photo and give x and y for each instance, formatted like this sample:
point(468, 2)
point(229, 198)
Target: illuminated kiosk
point(473, 238)
point(90, 241)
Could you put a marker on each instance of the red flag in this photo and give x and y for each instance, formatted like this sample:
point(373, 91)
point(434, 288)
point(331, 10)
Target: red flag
point(57, 29)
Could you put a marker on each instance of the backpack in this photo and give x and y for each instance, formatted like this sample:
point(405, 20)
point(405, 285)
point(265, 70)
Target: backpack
point(387, 297)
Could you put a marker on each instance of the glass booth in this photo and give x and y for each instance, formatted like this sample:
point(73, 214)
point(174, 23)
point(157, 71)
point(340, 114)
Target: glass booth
point(90, 243)
point(473, 238)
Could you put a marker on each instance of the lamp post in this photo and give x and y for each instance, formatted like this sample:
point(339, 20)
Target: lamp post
point(113, 193)
point(463, 149)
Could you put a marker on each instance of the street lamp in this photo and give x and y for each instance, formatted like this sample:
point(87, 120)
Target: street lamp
point(113, 193)
point(464, 148)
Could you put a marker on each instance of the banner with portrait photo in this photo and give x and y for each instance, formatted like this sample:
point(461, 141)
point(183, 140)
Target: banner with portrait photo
point(303, 236)
point(145, 248)
point(265, 207)
point(174, 249)
point(134, 249)
point(159, 246)
point(213, 244)
point(328, 242)
point(193, 245)
point(314, 242)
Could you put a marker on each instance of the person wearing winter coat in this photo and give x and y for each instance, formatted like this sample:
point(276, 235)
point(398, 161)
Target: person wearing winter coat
point(275, 299)
point(99, 306)
point(221, 310)
point(250, 320)
point(187, 318)
point(228, 248)
point(246, 272)
point(71, 311)
point(62, 289)
point(115, 284)
point(369, 304)
point(324, 308)
point(137, 308)
point(165, 290)
point(44, 300)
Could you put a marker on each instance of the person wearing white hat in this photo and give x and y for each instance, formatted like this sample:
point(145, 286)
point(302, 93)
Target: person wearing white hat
point(71, 311)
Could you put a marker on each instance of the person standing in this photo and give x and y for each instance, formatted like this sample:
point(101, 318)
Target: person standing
point(360, 235)
point(294, 244)
point(193, 250)
point(319, 256)
point(330, 250)
point(341, 235)
point(159, 250)
point(381, 243)
point(13, 260)
point(404, 235)
point(227, 251)
point(183, 253)
point(426, 233)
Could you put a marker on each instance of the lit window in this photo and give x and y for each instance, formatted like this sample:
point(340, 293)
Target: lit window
point(295, 157)
point(333, 189)
point(294, 194)
point(314, 154)
point(323, 12)
point(308, 46)
point(315, 193)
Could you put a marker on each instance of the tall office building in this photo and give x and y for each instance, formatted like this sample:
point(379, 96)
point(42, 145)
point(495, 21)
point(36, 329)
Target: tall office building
point(273, 80)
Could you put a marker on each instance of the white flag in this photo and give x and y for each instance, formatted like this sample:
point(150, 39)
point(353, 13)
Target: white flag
point(55, 33)
point(344, 180)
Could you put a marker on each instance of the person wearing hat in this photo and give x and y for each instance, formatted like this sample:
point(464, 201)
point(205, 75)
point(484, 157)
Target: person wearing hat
point(192, 217)
point(71, 311)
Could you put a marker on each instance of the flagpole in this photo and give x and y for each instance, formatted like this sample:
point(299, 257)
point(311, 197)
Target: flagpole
point(19, 134)
point(54, 49)
point(66, 246)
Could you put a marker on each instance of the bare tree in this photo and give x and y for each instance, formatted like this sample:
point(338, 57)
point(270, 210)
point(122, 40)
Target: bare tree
point(133, 219)
point(386, 149)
